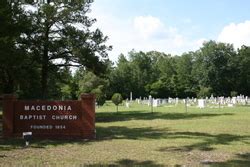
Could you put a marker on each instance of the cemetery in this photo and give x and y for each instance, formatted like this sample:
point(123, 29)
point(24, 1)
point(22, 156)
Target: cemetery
point(211, 133)
point(158, 83)
point(210, 102)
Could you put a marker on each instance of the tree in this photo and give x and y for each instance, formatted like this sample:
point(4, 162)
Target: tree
point(204, 92)
point(64, 81)
point(18, 72)
point(117, 99)
point(213, 68)
point(133, 74)
point(61, 37)
point(88, 82)
point(121, 77)
point(164, 85)
point(242, 71)
point(141, 64)
point(185, 82)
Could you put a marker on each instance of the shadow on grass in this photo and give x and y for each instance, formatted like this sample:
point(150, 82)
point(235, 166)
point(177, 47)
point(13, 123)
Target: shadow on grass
point(127, 162)
point(138, 115)
point(19, 143)
point(10, 144)
point(242, 160)
point(122, 132)
point(208, 141)
point(119, 132)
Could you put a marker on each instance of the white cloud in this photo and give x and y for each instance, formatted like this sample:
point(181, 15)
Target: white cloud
point(150, 33)
point(237, 34)
point(142, 33)
point(148, 26)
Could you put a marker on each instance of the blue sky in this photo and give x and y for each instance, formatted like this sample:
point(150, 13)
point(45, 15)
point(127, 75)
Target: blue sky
point(171, 26)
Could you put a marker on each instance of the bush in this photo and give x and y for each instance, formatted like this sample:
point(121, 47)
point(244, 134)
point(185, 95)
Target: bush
point(233, 93)
point(117, 99)
point(204, 92)
point(100, 96)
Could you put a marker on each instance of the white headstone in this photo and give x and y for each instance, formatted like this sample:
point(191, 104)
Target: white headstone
point(164, 101)
point(150, 100)
point(234, 101)
point(156, 102)
point(127, 104)
point(201, 103)
point(176, 101)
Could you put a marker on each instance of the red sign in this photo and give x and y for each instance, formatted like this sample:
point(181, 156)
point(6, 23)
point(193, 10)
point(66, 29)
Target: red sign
point(50, 119)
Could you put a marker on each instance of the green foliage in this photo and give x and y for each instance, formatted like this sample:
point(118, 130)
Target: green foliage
point(117, 99)
point(56, 42)
point(15, 63)
point(233, 93)
point(216, 68)
point(204, 92)
point(100, 96)
point(88, 82)
point(36, 46)
point(37, 49)
point(66, 92)
point(123, 78)
point(185, 79)
point(242, 72)
point(213, 67)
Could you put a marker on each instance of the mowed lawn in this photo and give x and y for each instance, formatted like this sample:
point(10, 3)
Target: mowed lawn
point(136, 137)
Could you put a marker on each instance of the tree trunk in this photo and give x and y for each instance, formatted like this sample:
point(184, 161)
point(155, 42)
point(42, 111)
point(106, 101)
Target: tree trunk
point(44, 78)
point(117, 108)
point(45, 65)
point(9, 84)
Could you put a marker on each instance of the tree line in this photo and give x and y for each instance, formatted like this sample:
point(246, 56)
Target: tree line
point(215, 69)
point(39, 47)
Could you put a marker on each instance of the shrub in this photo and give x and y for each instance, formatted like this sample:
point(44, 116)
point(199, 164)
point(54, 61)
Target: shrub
point(117, 99)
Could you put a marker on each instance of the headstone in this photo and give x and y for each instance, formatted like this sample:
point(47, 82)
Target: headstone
point(127, 104)
point(234, 101)
point(176, 101)
point(150, 100)
point(164, 101)
point(201, 103)
point(156, 102)
point(221, 100)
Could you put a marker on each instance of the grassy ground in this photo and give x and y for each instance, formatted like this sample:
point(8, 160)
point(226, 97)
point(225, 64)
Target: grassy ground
point(136, 137)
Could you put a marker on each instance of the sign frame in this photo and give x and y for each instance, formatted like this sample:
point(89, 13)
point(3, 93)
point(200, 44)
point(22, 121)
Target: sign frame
point(67, 119)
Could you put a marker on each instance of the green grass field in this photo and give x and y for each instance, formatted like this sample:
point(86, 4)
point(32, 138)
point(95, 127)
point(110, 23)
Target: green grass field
point(136, 137)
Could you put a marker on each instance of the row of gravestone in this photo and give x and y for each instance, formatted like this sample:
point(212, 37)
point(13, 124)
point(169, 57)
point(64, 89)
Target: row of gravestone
point(201, 103)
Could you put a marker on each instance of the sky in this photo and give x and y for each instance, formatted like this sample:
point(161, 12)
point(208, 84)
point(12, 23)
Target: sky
point(171, 26)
